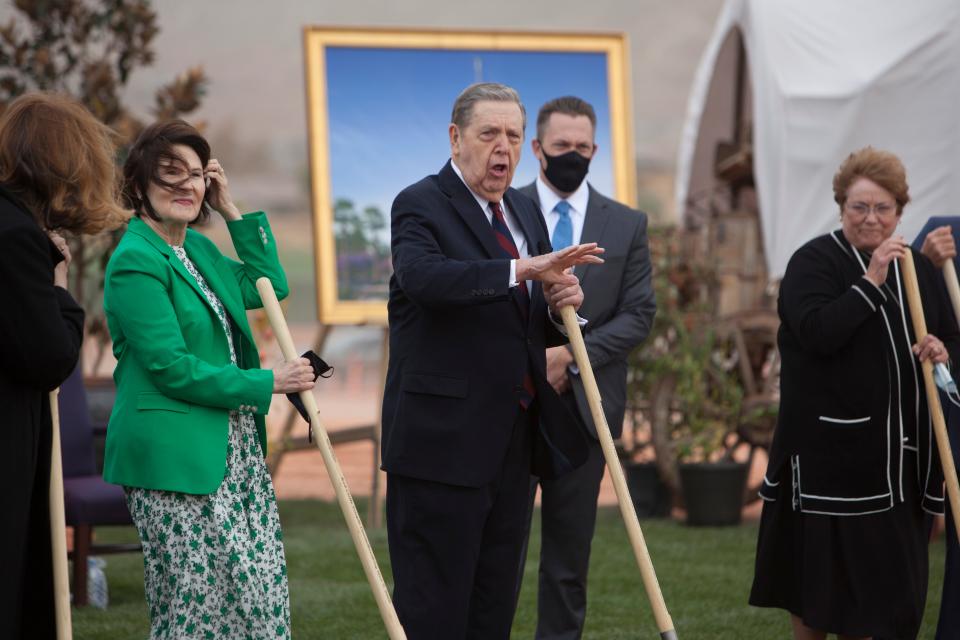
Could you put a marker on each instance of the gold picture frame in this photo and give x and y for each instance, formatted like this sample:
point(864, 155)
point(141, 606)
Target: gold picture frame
point(360, 64)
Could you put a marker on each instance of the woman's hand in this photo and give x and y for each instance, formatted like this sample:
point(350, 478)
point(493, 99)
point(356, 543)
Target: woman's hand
point(293, 376)
point(939, 245)
point(218, 193)
point(60, 271)
point(930, 348)
point(889, 250)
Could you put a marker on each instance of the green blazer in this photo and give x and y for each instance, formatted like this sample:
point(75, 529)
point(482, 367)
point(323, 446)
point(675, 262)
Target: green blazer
point(175, 382)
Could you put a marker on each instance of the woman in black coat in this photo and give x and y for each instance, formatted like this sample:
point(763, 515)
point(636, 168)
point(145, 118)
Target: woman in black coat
point(853, 466)
point(56, 172)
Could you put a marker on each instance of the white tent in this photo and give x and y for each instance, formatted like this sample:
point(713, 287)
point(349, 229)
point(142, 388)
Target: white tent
point(825, 78)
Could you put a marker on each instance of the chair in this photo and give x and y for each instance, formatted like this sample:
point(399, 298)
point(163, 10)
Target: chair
point(89, 501)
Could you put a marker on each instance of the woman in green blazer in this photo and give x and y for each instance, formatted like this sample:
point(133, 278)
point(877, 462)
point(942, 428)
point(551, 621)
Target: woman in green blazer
point(186, 438)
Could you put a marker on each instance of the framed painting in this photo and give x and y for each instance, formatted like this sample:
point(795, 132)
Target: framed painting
point(379, 103)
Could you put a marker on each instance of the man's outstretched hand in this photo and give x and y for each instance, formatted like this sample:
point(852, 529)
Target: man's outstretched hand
point(551, 268)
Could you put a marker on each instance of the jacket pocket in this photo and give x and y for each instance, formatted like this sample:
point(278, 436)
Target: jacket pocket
point(434, 385)
point(841, 465)
point(156, 401)
point(844, 422)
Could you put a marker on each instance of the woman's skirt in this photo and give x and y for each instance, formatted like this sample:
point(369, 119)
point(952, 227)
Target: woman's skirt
point(213, 565)
point(856, 575)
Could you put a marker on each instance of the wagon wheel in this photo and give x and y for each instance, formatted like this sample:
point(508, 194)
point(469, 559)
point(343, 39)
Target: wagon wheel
point(662, 409)
point(750, 340)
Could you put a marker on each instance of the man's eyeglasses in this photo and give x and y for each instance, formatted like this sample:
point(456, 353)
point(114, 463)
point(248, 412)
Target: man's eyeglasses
point(862, 209)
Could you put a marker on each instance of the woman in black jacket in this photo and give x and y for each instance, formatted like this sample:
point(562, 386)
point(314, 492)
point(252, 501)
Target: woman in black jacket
point(56, 173)
point(853, 466)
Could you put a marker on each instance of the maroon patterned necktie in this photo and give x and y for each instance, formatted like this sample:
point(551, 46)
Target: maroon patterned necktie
point(505, 240)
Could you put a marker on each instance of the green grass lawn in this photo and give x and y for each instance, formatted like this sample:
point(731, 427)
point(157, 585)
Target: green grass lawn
point(705, 575)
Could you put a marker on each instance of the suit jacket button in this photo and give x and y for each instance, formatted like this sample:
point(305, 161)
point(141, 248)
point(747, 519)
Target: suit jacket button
point(530, 341)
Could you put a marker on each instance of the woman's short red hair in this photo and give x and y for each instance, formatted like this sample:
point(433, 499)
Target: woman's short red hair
point(882, 167)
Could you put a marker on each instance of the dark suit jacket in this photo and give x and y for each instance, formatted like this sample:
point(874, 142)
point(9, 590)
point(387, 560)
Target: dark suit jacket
point(618, 301)
point(459, 345)
point(949, 620)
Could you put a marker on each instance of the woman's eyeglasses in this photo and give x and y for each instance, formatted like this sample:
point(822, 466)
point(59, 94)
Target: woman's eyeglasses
point(862, 209)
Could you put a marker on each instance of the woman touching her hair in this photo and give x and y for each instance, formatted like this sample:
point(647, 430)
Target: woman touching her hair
point(186, 438)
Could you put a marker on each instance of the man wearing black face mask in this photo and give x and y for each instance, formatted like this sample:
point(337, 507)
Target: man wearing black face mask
point(619, 304)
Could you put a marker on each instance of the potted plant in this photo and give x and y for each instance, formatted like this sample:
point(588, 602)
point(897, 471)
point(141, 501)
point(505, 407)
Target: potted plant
point(691, 391)
point(652, 497)
point(695, 405)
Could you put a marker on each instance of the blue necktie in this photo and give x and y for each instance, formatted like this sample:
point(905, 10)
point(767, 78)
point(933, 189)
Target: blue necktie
point(563, 232)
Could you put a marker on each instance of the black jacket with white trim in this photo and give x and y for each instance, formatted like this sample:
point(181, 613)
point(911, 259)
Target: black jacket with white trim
point(838, 446)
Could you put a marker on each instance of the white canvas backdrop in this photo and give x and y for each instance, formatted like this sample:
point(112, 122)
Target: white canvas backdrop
point(828, 78)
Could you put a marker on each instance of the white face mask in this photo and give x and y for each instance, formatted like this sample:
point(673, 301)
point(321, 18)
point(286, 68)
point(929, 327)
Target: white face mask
point(943, 380)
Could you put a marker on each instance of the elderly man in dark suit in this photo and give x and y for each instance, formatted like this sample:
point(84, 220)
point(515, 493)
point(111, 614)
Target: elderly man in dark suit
point(619, 303)
point(474, 276)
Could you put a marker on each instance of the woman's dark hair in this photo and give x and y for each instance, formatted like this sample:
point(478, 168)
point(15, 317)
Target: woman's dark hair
point(153, 149)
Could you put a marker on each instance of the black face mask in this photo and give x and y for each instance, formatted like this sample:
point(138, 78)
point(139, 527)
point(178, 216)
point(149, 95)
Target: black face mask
point(566, 171)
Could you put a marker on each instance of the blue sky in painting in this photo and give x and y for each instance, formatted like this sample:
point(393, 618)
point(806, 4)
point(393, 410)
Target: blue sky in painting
point(389, 110)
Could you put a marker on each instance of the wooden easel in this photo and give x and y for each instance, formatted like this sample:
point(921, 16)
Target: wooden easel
point(287, 443)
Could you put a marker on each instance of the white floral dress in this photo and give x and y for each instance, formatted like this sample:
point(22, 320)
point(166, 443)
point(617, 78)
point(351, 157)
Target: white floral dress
point(214, 565)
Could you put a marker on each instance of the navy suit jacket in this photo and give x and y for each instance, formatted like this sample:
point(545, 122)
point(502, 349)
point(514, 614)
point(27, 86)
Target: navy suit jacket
point(949, 621)
point(459, 342)
point(951, 412)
